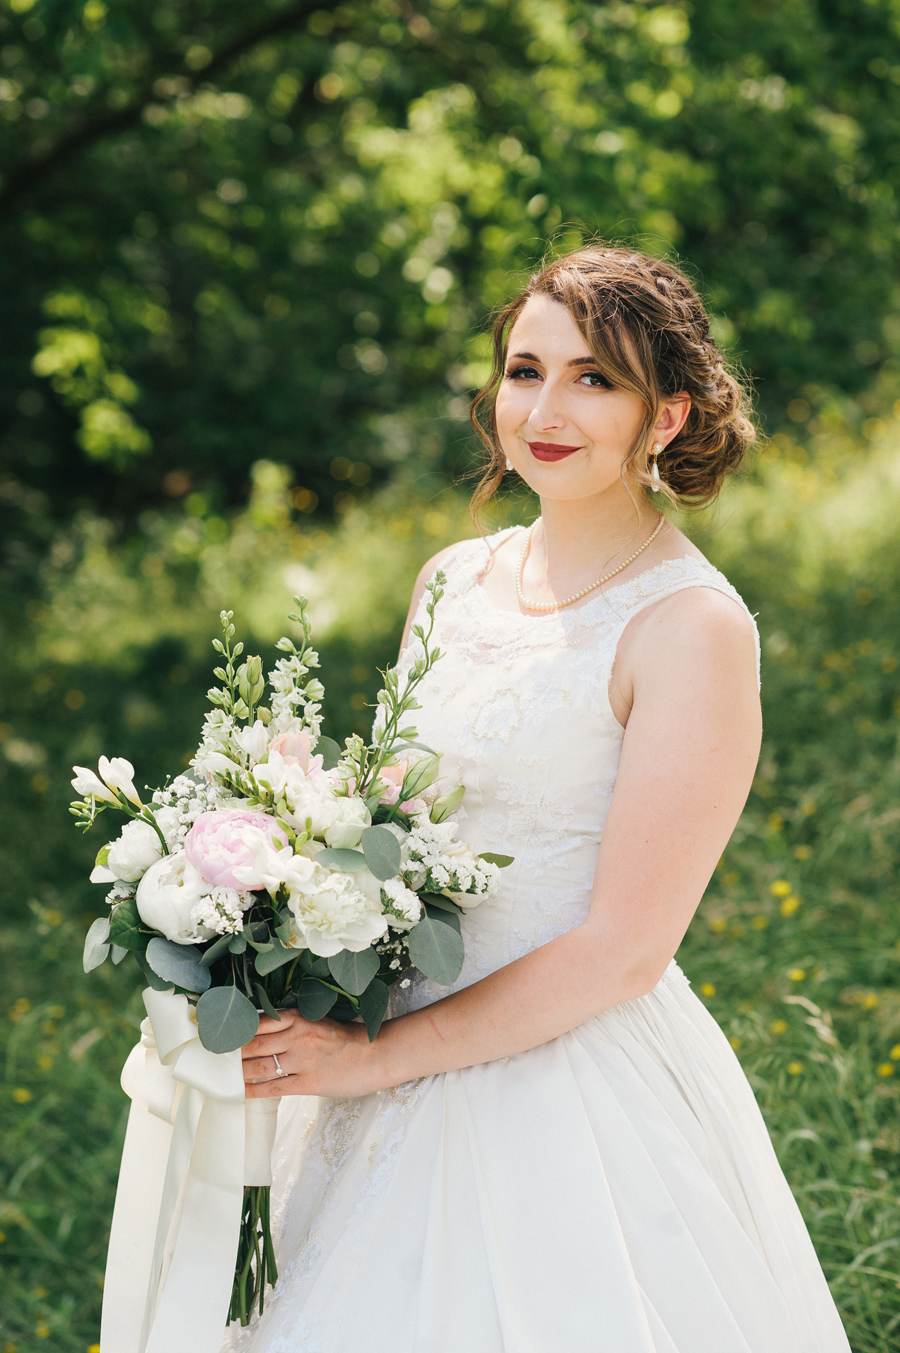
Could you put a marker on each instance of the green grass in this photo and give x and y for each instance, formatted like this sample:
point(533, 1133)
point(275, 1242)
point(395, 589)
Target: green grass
point(796, 947)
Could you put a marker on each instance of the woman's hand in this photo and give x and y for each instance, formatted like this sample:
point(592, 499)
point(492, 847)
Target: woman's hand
point(325, 1058)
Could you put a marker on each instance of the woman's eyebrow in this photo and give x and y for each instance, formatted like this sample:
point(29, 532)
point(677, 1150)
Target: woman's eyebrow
point(576, 361)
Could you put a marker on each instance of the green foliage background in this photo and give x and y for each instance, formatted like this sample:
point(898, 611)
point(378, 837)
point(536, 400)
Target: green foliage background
point(247, 258)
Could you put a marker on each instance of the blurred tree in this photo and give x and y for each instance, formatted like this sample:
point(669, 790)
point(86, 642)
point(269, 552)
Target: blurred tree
point(230, 232)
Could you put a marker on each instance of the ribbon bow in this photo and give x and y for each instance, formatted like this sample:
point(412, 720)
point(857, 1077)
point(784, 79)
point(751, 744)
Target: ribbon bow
point(192, 1143)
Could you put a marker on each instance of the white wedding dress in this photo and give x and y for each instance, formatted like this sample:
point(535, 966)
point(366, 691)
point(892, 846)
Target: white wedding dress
point(612, 1191)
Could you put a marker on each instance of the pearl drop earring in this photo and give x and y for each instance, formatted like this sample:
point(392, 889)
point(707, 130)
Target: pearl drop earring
point(509, 464)
point(654, 469)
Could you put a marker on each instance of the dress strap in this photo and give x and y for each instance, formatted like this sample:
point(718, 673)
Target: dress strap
point(664, 580)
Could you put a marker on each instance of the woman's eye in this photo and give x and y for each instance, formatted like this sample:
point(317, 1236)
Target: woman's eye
point(523, 373)
point(596, 381)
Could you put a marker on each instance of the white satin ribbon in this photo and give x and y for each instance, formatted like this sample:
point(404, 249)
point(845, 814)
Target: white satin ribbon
point(191, 1145)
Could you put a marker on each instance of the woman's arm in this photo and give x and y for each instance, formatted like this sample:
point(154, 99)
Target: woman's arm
point(688, 758)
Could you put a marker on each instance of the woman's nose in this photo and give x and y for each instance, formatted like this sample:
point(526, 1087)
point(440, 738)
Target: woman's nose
point(546, 413)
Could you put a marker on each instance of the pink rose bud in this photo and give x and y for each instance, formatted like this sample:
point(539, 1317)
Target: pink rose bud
point(293, 747)
point(220, 842)
point(393, 778)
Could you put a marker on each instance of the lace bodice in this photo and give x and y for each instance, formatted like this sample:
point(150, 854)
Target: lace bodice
point(519, 707)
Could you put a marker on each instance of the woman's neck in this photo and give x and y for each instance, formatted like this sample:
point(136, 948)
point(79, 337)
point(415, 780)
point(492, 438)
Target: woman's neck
point(581, 539)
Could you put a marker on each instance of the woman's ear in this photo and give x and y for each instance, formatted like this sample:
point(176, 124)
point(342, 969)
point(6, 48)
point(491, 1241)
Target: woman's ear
point(673, 415)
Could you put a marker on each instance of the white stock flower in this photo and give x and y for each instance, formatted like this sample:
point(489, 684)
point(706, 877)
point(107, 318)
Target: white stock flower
point(119, 775)
point(405, 905)
point(88, 785)
point(166, 897)
point(337, 820)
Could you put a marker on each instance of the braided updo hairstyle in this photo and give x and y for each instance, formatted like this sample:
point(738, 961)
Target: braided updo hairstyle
point(648, 330)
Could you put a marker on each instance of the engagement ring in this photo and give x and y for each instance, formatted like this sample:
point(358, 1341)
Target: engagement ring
point(279, 1069)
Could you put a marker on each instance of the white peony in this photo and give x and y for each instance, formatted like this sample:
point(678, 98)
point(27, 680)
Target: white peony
point(133, 852)
point(166, 896)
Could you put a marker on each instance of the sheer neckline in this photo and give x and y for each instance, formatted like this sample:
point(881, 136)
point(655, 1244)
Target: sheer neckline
point(473, 586)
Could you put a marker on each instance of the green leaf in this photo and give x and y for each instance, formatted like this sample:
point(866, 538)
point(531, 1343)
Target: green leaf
point(118, 953)
point(226, 1019)
point(373, 1003)
point(347, 861)
point(125, 926)
point(436, 950)
point(315, 999)
point(96, 949)
point(315, 966)
point(216, 951)
point(102, 855)
point(329, 751)
point(257, 936)
point(444, 806)
point(264, 1001)
point(178, 963)
point(382, 852)
point(273, 958)
point(450, 918)
point(438, 900)
point(502, 861)
point(352, 971)
point(237, 944)
point(157, 983)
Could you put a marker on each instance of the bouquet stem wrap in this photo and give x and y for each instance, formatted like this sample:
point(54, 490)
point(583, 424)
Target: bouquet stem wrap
point(179, 1202)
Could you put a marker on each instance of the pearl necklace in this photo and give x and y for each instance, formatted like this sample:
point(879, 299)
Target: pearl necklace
point(576, 596)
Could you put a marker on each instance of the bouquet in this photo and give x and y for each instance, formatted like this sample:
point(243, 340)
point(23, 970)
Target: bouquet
point(286, 871)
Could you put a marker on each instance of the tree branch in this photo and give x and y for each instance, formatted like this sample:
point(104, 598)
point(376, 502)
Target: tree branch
point(30, 173)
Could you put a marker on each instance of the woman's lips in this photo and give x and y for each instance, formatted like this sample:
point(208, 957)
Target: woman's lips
point(551, 450)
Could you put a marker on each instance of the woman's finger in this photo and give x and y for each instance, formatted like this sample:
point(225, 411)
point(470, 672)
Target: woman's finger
point(261, 1068)
point(279, 1085)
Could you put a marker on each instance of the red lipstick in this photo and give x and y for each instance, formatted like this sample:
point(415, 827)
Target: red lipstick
point(551, 450)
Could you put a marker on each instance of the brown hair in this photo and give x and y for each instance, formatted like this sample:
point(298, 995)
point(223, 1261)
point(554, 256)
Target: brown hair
point(649, 331)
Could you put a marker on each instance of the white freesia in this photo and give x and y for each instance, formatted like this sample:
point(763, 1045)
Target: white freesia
point(253, 741)
point(166, 896)
point(336, 819)
point(216, 763)
point(87, 784)
point(119, 775)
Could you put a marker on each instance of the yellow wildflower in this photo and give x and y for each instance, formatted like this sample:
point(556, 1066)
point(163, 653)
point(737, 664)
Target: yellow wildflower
point(707, 989)
point(789, 905)
point(21, 1095)
point(760, 922)
point(885, 1069)
point(794, 1068)
point(780, 888)
point(778, 1026)
point(796, 974)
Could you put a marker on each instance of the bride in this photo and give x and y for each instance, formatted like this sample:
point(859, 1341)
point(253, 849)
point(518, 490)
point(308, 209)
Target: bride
point(562, 1154)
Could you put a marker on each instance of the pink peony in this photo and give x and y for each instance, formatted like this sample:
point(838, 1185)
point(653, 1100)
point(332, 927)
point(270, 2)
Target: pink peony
point(220, 842)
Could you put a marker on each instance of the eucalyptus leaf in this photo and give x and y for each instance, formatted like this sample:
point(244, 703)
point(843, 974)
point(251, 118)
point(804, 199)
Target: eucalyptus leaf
point(274, 957)
point(264, 1001)
point(226, 1019)
point(502, 861)
point(257, 936)
point(237, 944)
point(315, 999)
point(347, 861)
point(179, 964)
point(352, 971)
point(315, 966)
point(96, 949)
point(125, 925)
point(157, 983)
point(216, 951)
point(382, 852)
point(329, 751)
point(438, 900)
point(436, 950)
point(118, 953)
point(449, 918)
point(373, 1003)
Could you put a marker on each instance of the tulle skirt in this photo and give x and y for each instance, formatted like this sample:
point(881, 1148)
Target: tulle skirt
point(613, 1191)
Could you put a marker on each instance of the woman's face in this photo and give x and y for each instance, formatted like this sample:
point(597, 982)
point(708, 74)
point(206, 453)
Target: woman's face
point(566, 430)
